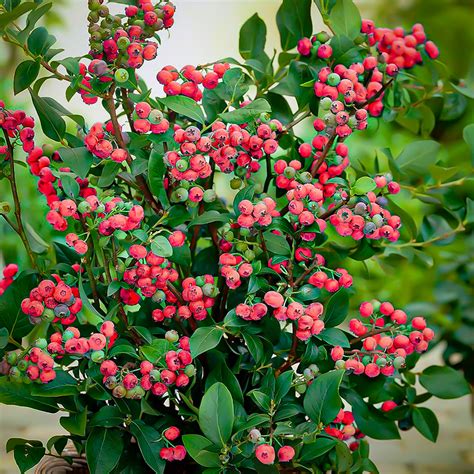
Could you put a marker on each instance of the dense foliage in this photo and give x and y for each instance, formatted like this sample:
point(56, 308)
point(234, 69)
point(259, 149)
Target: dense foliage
point(193, 316)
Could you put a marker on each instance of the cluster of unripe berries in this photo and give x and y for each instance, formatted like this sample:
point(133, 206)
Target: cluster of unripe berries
point(398, 47)
point(172, 452)
point(37, 364)
point(343, 427)
point(317, 45)
point(149, 120)
point(52, 301)
point(260, 213)
point(173, 369)
point(124, 41)
point(367, 220)
point(383, 351)
point(187, 81)
point(8, 273)
point(100, 141)
point(197, 298)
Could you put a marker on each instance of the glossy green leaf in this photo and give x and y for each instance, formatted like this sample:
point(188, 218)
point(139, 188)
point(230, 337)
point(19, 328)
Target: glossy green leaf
point(184, 106)
point(248, 113)
point(216, 414)
point(148, 440)
point(25, 74)
point(426, 423)
point(336, 309)
point(78, 159)
point(294, 22)
point(204, 339)
point(103, 449)
point(345, 19)
point(444, 382)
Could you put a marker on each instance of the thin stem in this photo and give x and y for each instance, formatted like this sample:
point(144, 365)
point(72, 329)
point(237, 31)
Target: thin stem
point(324, 153)
point(20, 229)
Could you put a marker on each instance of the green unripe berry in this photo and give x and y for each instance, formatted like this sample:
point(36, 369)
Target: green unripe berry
point(179, 195)
point(171, 336)
point(119, 391)
point(84, 207)
point(159, 296)
point(210, 290)
point(241, 246)
point(314, 369)
point(240, 171)
point(67, 335)
point(121, 75)
point(22, 365)
point(322, 36)
point(249, 255)
point(200, 281)
point(41, 343)
point(333, 79)
point(366, 360)
point(306, 177)
point(244, 232)
point(156, 116)
point(14, 373)
point(12, 358)
point(48, 315)
point(301, 388)
point(229, 236)
point(289, 172)
point(182, 165)
point(155, 375)
point(308, 374)
point(325, 103)
point(209, 195)
point(381, 362)
point(235, 183)
point(97, 356)
point(340, 364)
point(399, 362)
point(190, 370)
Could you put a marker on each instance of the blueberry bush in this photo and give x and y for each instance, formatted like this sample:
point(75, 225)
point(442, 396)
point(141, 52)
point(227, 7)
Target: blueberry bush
point(192, 312)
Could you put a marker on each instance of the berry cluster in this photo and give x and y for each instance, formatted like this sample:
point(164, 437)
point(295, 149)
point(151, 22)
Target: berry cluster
point(265, 453)
point(260, 213)
point(186, 81)
point(52, 301)
point(387, 338)
point(172, 452)
point(316, 46)
point(343, 427)
point(174, 370)
point(149, 120)
point(367, 220)
point(398, 47)
point(124, 41)
point(8, 273)
point(36, 365)
point(233, 268)
point(149, 273)
point(306, 319)
point(100, 142)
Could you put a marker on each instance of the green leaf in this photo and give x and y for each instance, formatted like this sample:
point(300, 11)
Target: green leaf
point(63, 385)
point(196, 447)
point(283, 385)
point(248, 113)
point(369, 420)
point(7, 18)
point(318, 448)
point(75, 423)
point(40, 41)
point(426, 423)
point(335, 337)
point(255, 346)
point(103, 449)
point(37, 243)
point(25, 74)
point(444, 382)
point(209, 217)
point(11, 316)
point(149, 443)
point(78, 159)
point(156, 350)
point(363, 185)
point(184, 106)
point(108, 416)
point(294, 22)
point(32, 19)
point(277, 244)
point(252, 38)
point(19, 394)
point(417, 157)
point(204, 339)
point(27, 453)
point(156, 176)
point(4, 335)
point(69, 184)
point(345, 19)
point(91, 315)
point(322, 401)
point(336, 309)
point(468, 135)
point(161, 246)
point(52, 123)
point(216, 414)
